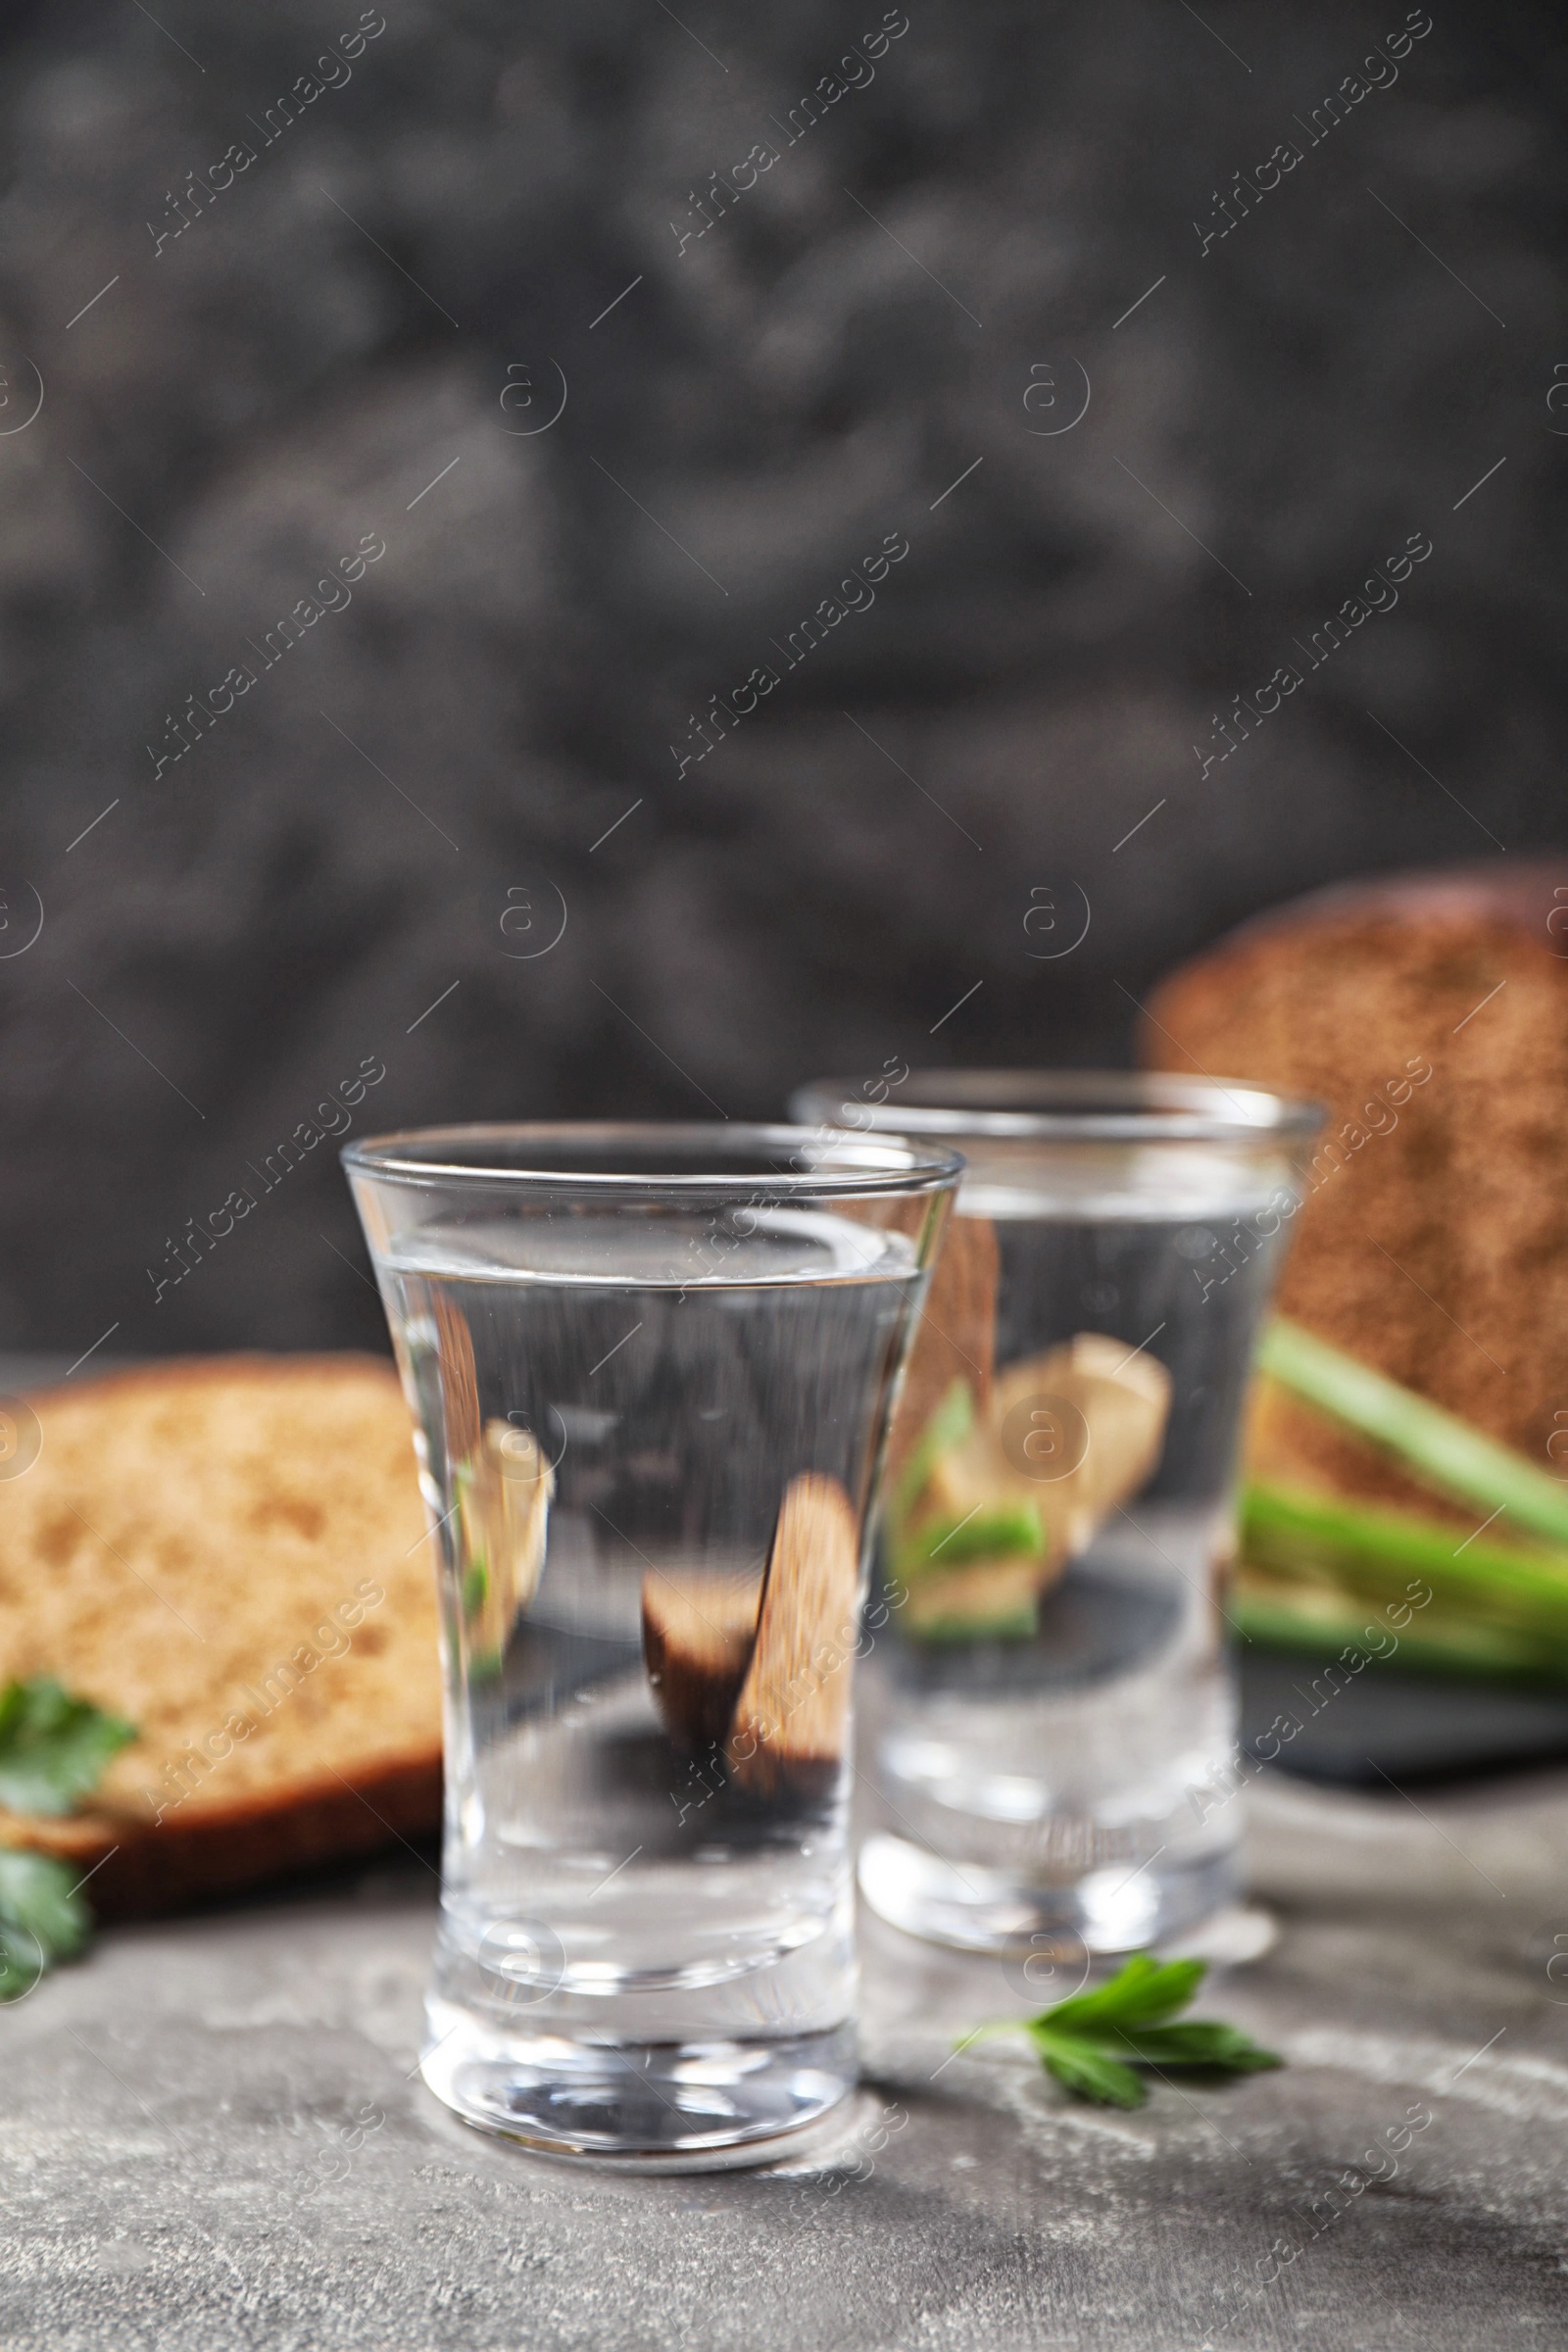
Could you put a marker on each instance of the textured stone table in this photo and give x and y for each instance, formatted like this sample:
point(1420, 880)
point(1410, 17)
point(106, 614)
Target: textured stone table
point(190, 2155)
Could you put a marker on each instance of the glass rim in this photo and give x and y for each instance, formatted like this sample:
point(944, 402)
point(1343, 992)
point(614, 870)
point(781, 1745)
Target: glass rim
point(1087, 1106)
point(851, 1165)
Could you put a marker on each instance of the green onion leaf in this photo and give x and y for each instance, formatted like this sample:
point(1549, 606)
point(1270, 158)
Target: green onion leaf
point(1011, 1530)
point(947, 1427)
point(1437, 1447)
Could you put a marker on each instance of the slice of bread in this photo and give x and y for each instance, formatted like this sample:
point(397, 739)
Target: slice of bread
point(1430, 1012)
point(231, 1553)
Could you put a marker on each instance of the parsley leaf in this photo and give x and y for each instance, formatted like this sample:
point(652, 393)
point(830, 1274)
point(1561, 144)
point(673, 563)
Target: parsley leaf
point(52, 1747)
point(1200, 2044)
point(1079, 2067)
point(1144, 1992)
point(51, 1750)
point(1092, 2042)
point(43, 1917)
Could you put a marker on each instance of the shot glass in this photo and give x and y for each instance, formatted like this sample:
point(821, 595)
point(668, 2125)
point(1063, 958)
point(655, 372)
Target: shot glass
point(651, 1371)
point(1050, 1720)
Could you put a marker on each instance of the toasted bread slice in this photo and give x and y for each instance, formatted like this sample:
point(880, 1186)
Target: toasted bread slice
point(792, 1716)
point(697, 1633)
point(231, 1553)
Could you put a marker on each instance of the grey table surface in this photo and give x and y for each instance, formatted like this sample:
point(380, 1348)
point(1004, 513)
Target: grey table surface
point(190, 2153)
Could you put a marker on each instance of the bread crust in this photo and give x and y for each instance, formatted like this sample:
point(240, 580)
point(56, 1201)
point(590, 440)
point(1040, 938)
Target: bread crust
point(1517, 902)
point(1520, 895)
point(210, 1371)
point(138, 1868)
point(212, 1845)
point(1430, 1011)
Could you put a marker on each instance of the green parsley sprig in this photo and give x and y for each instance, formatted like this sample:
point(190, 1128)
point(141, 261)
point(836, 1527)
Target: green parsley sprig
point(53, 1747)
point(1093, 2042)
point(43, 1917)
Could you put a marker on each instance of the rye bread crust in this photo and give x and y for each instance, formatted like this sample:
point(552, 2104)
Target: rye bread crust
point(1432, 1242)
point(1459, 902)
point(139, 1870)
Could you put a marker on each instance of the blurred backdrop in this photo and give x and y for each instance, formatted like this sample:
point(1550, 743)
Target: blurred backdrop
point(588, 560)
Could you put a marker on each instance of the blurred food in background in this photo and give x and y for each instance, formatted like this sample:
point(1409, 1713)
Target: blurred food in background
point(1407, 1456)
point(976, 1532)
point(229, 1557)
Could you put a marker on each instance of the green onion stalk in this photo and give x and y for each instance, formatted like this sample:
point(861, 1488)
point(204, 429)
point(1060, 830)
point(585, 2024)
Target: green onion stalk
point(1320, 1570)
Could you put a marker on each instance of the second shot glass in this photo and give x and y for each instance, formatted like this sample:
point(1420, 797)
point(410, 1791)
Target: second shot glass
point(1050, 1721)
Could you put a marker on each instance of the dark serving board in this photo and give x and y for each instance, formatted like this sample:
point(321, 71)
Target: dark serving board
point(1389, 1720)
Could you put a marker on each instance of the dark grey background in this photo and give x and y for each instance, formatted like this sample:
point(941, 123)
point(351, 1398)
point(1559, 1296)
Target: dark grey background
point(239, 930)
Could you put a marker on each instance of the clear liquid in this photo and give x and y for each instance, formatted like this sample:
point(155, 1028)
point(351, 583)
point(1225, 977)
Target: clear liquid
point(636, 1951)
point(1064, 1781)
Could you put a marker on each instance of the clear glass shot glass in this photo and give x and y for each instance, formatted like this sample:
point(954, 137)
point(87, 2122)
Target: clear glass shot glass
point(651, 1371)
point(1050, 1720)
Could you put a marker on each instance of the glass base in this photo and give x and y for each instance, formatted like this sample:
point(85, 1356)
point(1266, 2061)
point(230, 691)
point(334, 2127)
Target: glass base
point(674, 2106)
point(976, 1909)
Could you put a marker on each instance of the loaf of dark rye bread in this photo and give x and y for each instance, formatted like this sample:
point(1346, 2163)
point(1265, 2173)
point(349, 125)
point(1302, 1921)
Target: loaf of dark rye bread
point(1428, 1012)
point(229, 1553)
